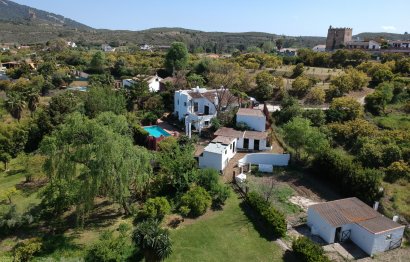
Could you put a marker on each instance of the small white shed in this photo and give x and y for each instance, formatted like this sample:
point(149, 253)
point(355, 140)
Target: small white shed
point(350, 218)
point(217, 154)
point(254, 118)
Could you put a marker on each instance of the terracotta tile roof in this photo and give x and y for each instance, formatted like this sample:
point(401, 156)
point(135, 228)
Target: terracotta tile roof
point(255, 135)
point(223, 140)
point(228, 132)
point(352, 210)
point(250, 112)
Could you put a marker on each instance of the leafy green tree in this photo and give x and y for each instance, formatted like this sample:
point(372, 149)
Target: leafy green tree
point(33, 98)
point(316, 116)
point(344, 109)
point(110, 248)
point(154, 104)
point(15, 104)
point(99, 158)
point(177, 57)
point(156, 208)
point(177, 164)
point(376, 102)
point(279, 43)
point(290, 109)
point(382, 75)
point(152, 240)
point(316, 96)
point(104, 99)
point(12, 142)
point(267, 85)
point(195, 80)
point(300, 135)
point(298, 70)
point(301, 86)
point(97, 63)
point(195, 202)
point(101, 80)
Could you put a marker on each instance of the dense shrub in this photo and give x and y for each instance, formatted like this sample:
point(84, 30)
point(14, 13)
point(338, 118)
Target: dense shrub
point(24, 251)
point(397, 170)
point(308, 251)
point(272, 217)
point(156, 207)
point(110, 248)
point(195, 202)
point(351, 178)
point(11, 220)
point(209, 179)
point(140, 135)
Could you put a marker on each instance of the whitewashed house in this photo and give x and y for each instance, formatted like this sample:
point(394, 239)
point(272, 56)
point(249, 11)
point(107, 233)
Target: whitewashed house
point(246, 140)
point(71, 44)
point(198, 106)
point(319, 48)
point(253, 118)
point(350, 218)
point(217, 154)
point(368, 45)
point(154, 82)
point(107, 48)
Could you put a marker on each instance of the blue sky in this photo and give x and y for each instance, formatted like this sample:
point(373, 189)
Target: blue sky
point(291, 17)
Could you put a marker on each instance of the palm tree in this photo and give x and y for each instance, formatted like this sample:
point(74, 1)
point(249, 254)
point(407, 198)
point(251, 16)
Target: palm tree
point(33, 98)
point(15, 104)
point(153, 240)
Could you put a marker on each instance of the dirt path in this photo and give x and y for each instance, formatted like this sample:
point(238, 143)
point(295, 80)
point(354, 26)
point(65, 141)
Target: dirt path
point(232, 167)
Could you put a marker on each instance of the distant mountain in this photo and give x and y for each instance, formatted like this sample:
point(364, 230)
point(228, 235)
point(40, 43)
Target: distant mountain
point(16, 13)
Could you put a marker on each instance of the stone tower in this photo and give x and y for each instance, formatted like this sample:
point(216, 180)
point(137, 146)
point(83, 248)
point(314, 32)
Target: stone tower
point(338, 37)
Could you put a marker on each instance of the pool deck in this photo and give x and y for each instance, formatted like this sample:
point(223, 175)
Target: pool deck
point(174, 131)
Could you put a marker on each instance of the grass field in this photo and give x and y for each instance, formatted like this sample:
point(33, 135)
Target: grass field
point(394, 121)
point(226, 235)
point(398, 199)
point(319, 72)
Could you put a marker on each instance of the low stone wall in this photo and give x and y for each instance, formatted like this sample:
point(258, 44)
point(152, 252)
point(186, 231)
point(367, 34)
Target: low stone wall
point(265, 159)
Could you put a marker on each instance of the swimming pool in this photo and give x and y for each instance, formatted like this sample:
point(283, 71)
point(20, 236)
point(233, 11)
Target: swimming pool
point(156, 131)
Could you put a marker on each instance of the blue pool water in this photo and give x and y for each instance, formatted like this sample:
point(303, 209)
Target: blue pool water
point(156, 131)
point(79, 88)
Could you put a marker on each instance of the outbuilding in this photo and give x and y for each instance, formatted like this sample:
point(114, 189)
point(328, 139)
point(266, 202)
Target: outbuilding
point(217, 154)
point(350, 218)
point(254, 118)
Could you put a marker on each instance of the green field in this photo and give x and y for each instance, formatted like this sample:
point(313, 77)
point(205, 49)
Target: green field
point(394, 121)
point(226, 235)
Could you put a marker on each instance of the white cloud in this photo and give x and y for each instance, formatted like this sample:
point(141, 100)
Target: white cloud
point(389, 28)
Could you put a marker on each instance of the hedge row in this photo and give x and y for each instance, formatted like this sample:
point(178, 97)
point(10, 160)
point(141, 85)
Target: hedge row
point(272, 217)
point(308, 251)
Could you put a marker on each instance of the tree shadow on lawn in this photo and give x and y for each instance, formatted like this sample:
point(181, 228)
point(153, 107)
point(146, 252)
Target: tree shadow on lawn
point(59, 242)
point(13, 172)
point(258, 224)
point(288, 256)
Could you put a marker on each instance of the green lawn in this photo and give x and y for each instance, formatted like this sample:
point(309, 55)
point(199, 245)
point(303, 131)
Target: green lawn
point(226, 235)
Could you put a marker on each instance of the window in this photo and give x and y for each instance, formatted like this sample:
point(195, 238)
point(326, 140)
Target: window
point(184, 103)
point(195, 107)
point(178, 102)
point(206, 123)
point(388, 237)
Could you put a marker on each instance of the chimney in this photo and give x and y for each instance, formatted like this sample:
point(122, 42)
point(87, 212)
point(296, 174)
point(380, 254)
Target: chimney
point(376, 205)
point(395, 218)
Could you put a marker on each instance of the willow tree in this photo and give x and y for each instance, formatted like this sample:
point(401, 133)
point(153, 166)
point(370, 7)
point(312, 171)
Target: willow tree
point(98, 157)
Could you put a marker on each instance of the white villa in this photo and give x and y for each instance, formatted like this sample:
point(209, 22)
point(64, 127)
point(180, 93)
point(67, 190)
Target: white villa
point(199, 105)
point(350, 218)
point(254, 118)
